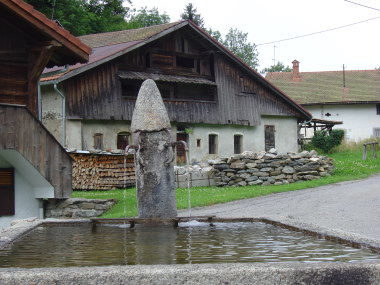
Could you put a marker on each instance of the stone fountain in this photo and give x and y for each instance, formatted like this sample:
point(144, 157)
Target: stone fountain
point(155, 180)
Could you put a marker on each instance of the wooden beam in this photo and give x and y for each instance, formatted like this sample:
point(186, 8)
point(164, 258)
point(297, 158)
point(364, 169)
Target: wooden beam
point(39, 56)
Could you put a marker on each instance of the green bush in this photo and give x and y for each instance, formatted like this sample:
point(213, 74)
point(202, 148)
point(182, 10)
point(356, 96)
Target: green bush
point(325, 140)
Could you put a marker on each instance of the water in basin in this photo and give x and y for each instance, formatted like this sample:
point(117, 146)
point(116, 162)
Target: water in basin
point(112, 244)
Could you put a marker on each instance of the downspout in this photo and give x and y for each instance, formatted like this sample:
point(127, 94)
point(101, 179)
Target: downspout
point(63, 114)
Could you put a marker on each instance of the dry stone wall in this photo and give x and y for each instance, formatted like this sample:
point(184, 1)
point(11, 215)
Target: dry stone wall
point(107, 171)
point(266, 168)
point(77, 207)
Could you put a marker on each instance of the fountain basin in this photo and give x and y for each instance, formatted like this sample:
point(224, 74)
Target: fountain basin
point(172, 241)
point(361, 272)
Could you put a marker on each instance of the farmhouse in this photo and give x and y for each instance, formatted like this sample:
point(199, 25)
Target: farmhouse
point(33, 165)
point(216, 103)
point(349, 96)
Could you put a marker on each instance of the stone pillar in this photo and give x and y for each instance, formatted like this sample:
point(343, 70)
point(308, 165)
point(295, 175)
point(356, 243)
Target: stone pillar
point(155, 171)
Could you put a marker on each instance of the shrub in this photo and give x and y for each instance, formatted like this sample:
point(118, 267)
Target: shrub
point(325, 140)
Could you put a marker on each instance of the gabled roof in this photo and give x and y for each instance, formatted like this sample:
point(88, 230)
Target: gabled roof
point(107, 46)
point(112, 38)
point(38, 26)
point(328, 86)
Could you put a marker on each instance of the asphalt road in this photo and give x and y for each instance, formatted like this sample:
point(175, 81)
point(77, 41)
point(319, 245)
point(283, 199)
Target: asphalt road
point(348, 209)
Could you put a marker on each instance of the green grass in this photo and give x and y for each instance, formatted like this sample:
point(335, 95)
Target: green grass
point(349, 166)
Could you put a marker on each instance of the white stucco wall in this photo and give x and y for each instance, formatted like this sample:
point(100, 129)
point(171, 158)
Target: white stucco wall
point(359, 120)
point(30, 186)
point(52, 111)
point(109, 129)
point(253, 137)
point(74, 134)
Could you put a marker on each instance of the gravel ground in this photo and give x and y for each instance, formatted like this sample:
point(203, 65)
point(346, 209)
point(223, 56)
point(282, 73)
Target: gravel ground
point(350, 210)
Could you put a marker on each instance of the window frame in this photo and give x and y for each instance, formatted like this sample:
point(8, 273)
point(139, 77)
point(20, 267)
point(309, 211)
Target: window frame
point(120, 134)
point(213, 143)
point(98, 136)
point(238, 148)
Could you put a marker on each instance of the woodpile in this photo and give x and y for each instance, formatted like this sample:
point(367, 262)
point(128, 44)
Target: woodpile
point(102, 171)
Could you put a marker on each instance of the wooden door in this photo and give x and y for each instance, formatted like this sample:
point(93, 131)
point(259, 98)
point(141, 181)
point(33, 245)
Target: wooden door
point(7, 192)
point(181, 152)
point(269, 137)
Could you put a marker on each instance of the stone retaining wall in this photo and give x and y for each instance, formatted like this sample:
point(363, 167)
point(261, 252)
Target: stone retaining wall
point(266, 168)
point(107, 171)
point(77, 207)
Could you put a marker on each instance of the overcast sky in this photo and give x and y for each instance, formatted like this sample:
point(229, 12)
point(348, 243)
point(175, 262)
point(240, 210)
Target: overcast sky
point(356, 46)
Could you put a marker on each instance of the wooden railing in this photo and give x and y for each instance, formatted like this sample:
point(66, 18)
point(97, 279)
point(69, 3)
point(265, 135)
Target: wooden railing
point(21, 131)
point(373, 144)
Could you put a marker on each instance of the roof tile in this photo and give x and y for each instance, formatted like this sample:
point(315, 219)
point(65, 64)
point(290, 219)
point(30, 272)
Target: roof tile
point(329, 86)
point(117, 37)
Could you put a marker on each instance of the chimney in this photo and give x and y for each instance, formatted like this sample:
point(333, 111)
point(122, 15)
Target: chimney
point(296, 70)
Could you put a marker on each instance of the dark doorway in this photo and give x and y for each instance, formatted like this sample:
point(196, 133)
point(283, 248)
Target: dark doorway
point(122, 140)
point(269, 137)
point(238, 144)
point(7, 192)
point(212, 144)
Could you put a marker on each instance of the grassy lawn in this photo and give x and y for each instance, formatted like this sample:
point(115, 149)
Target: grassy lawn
point(349, 166)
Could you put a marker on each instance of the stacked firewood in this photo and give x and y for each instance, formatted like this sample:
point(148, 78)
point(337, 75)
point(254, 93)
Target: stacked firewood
point(102, 171)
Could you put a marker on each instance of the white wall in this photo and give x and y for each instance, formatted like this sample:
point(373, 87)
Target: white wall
point(359, 120)
point(253, 137)
point(30, 186)
point(52, 111)
point(109, 129)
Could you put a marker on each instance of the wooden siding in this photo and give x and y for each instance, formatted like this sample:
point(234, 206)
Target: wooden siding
point(21, 131)
point(240, 99)
point(13, 65)
point(97, 94)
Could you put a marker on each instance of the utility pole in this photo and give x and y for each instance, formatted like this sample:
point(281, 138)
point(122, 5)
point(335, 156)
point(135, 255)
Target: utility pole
point(274, 55)
point(344, 78)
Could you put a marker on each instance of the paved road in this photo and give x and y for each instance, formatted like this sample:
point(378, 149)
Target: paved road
point(348, 209)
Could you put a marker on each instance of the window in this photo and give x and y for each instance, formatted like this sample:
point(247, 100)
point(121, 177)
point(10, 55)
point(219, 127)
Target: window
point(269, 137)
point(246, 86)
point(376, 132)
point(378, 109)
point(212, 144)
point(122, 140)
point(7, 192)
point(187, 62)
point(198, 143)
point(238, 144)
point(130, 88)
point(98, 141)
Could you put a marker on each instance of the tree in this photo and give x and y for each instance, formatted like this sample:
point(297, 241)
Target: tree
point(84, 17)
point(190, 13)
point(279, 67)
point(107, 15)
point(215, 34)
point(146, 18)
point(236, 42)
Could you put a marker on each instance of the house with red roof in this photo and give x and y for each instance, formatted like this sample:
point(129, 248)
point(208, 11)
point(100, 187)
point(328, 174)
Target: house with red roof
point(216, 103)
point(349, 96)
point(33, 164)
